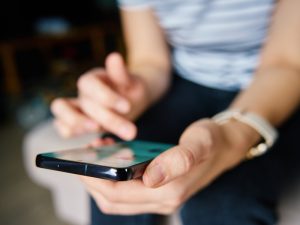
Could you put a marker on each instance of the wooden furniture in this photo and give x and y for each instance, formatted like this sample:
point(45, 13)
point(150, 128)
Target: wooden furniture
point(94, 34)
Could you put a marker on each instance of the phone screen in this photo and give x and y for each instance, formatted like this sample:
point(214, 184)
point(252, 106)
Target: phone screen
point(119, 155)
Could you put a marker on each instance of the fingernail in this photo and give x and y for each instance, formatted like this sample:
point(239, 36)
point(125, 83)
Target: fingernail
point(122, 106)
point(126, 131)
point(155, 175)
point(90, 125)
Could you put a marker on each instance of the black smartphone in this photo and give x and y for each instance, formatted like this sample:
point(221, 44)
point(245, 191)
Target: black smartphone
point(120, 161)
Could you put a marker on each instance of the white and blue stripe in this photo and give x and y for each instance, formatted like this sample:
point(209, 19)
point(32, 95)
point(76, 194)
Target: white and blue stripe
point(216, 43)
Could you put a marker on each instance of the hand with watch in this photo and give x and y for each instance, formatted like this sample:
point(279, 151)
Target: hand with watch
point(212, 146)
point(206, 149)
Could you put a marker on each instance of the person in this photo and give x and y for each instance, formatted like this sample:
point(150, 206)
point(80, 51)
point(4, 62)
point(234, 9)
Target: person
point(186, 62)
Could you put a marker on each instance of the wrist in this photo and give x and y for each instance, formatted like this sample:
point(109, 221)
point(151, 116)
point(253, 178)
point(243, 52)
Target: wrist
point(267, 132)
point(140, 97)
point(156, 81)
point(241, 136)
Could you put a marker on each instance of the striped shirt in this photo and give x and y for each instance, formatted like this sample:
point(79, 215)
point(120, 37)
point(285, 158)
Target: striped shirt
point(215, 43)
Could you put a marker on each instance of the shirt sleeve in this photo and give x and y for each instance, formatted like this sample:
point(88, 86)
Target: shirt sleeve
point(134, 4)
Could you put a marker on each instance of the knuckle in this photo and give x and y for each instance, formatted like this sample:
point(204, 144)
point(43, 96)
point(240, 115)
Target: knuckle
point(111, 121)
point(187, 157)
point(115, 122)
point(85, 80)
point(88, 82)
point(177, 201)
point(56, 104)
point(168, 211)
point(64, 131)
point(74, 122)
point(106, 97)
point(104, 117)
point(206, 139)
point(196, 149)
point(177, 196)
point(112, 198)
point(106, 207)
point(90, 108)
point(66, 134)
point(109, 194)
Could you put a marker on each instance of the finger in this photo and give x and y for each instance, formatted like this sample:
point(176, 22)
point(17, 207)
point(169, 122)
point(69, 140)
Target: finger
point(94, 87)
point(63, 129)
point(67, 111)
point(172, 164)
point(117, 71)
point(109, 120)
point(112, 208)
point(131, 192)
point(101, 142)
point(166, 199)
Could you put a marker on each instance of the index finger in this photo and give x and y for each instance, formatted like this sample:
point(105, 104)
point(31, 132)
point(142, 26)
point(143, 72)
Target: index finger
point(117, 71)
point(92, 84)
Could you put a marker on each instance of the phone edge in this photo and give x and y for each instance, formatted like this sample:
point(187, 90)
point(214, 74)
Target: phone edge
point(92, 170)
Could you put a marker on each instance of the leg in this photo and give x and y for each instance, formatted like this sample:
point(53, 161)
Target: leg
point(231, 200)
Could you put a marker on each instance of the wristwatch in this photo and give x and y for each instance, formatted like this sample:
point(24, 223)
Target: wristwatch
point(268, 133)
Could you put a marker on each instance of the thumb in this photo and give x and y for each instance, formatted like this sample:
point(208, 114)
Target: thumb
point(117, 71)
point(171, 164)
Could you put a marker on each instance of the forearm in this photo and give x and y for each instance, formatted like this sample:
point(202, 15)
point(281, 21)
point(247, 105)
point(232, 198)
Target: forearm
point(147, 51)
point(274, 94)
point(275, 91)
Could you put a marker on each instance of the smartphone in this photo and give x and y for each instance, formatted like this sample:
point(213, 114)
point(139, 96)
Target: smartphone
point(120, 161)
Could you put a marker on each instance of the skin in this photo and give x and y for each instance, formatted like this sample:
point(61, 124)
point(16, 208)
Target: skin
point(112, 98)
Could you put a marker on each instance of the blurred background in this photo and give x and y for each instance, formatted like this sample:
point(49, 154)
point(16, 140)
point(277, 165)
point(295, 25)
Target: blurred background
point(44, 47)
